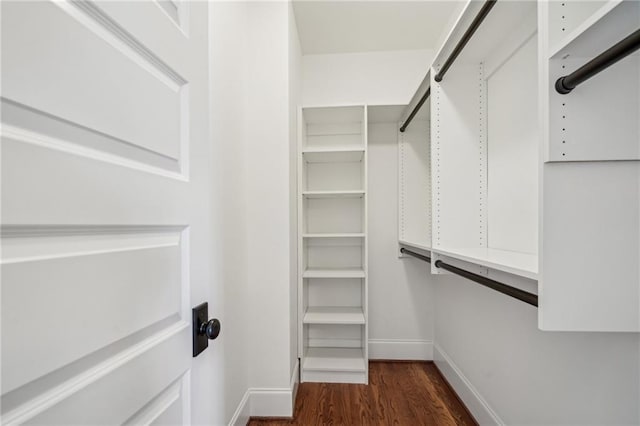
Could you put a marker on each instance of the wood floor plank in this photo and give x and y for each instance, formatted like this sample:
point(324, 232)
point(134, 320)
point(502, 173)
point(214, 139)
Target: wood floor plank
point(399, 393)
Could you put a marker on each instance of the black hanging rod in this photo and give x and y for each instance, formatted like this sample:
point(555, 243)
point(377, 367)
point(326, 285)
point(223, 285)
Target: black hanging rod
point(516, 293)
point(601, 62)
point(486, 8)
point(416, 109)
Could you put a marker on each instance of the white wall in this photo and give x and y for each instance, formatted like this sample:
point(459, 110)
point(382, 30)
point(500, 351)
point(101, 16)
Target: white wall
point(401, 297)
point(376, 78)
point(228, 74)
point(268, 203)
point(295, 99)
point(530, 377)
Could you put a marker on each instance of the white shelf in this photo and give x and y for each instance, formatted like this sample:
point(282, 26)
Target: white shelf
point(333, 194)
point(420, 246)
point(599, 31)
point(336, 235)
point(334, 359)
point(333, 154)
point(333, 315)
point(516, 263)
point(334, 273)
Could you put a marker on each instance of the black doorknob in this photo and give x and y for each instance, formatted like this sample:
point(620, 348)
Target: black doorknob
point(211, 328)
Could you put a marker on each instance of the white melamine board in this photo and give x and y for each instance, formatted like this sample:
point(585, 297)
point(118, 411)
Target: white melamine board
point(413, 244)
point(335, 235)
point(590, 276)
point(458, 159)
point(334, 359)
point(333, 194)
point(569, 20)
point(334, 273)
point(512, 165)
point(414, 193)
point(504, 19)
point(600, 119)
point(513, 262)
point(333, 315)
point(347, 154)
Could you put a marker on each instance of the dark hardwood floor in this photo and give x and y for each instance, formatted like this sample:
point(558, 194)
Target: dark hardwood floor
point(399, 393)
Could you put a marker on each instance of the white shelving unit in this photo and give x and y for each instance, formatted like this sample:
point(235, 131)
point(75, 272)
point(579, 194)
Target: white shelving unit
point(590, 171)
point(485, 143)
point(332, 221)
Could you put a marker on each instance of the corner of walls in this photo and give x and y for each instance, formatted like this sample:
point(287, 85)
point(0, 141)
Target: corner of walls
point(267, 402)
point(228, 70)
point(295, 98)
point(507, 371)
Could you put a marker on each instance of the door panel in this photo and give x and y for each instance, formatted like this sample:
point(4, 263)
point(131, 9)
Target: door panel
point(105, 211)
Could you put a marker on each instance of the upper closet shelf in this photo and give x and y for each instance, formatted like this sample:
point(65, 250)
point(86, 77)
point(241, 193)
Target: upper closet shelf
point(607, 25)
point(335, 235)
point(333, 194)
point(516, 263)
point(417, 245)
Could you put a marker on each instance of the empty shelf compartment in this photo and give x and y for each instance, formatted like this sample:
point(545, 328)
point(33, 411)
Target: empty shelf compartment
point(334, 359)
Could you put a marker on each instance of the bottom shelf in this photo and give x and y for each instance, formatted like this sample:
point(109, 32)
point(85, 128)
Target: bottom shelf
point(334, 365)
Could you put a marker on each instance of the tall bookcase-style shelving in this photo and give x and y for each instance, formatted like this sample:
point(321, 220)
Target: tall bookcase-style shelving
point(332, 244)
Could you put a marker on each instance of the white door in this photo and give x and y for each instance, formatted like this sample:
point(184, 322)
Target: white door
point(105, 212)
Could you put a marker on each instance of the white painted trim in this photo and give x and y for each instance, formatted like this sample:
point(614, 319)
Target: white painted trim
point(268, 402)
point(243, 412)
point(271, 402)
point(401, 349)
point(477, 405)
point(293, 385)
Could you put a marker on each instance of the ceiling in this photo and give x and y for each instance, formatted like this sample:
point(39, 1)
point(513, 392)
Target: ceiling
point(367, 26)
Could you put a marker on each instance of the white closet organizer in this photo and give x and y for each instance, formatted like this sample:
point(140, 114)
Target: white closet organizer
point(590, 278)
point(484, 137)
point(332, 221)
point(503, 137)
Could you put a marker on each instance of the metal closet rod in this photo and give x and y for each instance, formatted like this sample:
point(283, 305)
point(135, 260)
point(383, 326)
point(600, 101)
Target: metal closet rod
point(486, 8)
point(416, 109)
point(601, 62)
point(514, 292)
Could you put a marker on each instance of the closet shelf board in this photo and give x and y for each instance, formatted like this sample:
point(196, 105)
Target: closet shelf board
point(333, 315)
point(333, 194)
point(516, 263)
point(334, 273)
point(334, 359)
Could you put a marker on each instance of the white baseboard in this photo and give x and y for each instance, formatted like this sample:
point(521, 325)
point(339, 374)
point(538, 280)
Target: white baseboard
point(476, 404)
point(243, 412)
point(268, 402)
point(415, 350)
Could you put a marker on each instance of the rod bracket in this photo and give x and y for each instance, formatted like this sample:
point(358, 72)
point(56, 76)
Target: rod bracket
point(561, 88)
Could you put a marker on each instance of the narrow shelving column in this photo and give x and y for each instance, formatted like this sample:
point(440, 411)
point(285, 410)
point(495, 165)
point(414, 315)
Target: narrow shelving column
point(332, 244)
